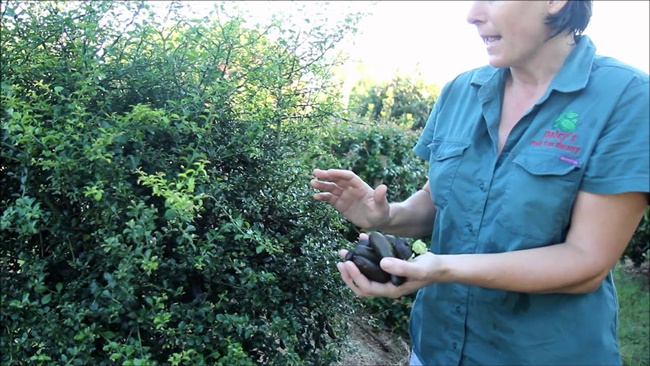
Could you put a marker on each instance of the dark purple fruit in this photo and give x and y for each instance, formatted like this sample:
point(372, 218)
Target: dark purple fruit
point(381, 245)
point(367, 252)
point(371, 270)
point(402, 249)
point(397, 280)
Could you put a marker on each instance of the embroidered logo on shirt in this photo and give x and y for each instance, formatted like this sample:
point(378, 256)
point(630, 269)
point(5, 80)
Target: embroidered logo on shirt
point(566, 122)
point(561, 135)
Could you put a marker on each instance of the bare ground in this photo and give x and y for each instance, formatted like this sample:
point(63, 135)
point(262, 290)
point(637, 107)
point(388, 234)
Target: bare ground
point(369, 345)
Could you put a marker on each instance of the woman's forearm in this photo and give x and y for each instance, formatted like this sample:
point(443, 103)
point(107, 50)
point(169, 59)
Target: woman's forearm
point(557, 268)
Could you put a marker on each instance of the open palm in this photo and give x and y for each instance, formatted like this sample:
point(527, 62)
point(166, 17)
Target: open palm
point(352, 197)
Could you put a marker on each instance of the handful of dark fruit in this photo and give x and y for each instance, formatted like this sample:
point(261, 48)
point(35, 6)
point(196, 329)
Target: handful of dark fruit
point(368, 252)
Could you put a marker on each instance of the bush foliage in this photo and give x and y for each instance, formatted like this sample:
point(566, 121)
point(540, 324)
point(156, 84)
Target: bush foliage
point(154, 190)
point(405, 100)
point(380, 153)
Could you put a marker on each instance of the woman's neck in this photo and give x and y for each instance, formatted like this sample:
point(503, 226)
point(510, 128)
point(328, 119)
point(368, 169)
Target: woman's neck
point(539, 71)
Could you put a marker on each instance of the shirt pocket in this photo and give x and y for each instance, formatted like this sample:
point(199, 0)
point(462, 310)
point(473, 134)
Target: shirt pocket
point(443, 164)
point(538, 197)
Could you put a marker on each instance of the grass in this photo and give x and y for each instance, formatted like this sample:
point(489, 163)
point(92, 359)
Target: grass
point(634, 316)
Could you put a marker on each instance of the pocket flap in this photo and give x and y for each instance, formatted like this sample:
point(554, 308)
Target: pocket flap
point(545, 164)
point(442, 150)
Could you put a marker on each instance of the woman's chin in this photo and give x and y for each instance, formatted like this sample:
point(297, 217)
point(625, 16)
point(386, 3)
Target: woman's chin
point(497, 62)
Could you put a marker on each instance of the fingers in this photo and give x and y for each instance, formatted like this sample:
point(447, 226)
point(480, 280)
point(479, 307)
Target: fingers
point(326, 187)
point(334, 174)
point(363, 287)
point(325, 197)
point(414, 271)
point(357, 282)
point(339, 178)
point(329, 191)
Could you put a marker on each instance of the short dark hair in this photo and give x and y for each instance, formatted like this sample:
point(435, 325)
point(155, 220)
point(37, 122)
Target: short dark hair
point(574, 18)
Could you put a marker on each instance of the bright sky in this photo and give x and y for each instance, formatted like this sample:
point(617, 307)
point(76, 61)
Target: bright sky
point(434, 37)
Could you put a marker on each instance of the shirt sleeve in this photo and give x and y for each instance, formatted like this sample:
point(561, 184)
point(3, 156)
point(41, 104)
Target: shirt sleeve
point(421, 148)
point(621, 158)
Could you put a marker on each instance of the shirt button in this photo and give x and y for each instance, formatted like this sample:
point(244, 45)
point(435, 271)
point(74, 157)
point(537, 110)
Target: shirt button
point(454, 345)
point(458, 309)
point(481, 186)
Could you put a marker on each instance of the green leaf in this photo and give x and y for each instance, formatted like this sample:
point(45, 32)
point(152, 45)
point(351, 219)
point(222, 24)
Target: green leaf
point(40, 288)
point(419, 247)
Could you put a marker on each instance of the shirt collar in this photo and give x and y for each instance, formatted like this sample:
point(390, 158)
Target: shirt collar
point(488, 79)
point(575, 72)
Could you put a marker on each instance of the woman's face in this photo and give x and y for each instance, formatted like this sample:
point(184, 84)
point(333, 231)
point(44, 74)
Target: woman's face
point(514, 32)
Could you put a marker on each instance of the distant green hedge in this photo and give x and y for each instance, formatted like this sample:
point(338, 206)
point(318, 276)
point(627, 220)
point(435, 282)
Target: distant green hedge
point(154, 190)
point(380, 153)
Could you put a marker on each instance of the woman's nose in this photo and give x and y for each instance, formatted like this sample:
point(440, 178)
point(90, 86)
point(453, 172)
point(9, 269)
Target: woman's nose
point(476, 15)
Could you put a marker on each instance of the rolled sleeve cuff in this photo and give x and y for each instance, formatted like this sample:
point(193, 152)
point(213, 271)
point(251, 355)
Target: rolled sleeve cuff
point(422, 151)
point(617, 185)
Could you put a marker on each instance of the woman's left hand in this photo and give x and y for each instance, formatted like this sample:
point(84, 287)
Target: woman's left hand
point(420, 272)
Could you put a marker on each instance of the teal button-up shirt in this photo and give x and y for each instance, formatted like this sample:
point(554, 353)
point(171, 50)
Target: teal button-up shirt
point(589, 132)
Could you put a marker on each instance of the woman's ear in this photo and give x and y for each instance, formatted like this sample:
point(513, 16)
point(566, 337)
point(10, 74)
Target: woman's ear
point(554, 6)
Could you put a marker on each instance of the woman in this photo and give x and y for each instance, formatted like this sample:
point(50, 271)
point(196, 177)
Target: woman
point(538, 177)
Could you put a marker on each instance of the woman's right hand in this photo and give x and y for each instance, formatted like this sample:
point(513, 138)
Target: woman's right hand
point(352, 197)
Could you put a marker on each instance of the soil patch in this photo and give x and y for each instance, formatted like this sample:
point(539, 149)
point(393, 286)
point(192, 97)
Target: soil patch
point(369, 345)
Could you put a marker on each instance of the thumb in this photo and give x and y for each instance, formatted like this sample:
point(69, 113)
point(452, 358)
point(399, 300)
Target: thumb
point(396, 266)
point(380, 195)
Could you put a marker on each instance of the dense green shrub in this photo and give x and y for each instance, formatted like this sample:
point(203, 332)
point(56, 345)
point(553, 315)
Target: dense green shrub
point(405, 100)
point(380, 153)
point(154, 191)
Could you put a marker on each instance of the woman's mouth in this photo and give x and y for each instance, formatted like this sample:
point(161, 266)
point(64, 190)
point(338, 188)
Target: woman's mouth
point(488, 40)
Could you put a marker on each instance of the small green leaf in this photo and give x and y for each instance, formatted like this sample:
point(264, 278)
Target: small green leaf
point(40, 288)
point(419, 247)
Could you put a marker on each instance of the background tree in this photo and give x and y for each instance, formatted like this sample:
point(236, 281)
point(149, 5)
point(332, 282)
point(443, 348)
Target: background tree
point(406, 100)
point(154, 189)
